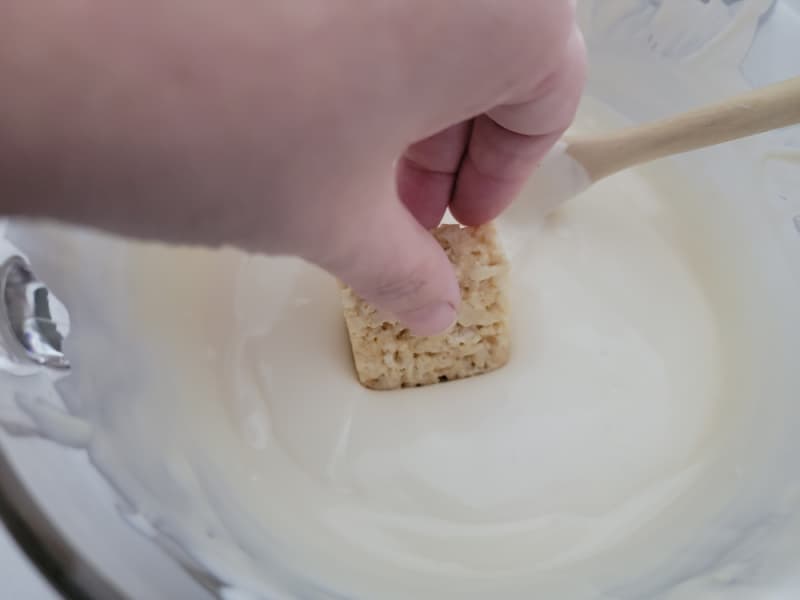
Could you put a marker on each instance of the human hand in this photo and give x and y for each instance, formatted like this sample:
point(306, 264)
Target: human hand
point(336, 132)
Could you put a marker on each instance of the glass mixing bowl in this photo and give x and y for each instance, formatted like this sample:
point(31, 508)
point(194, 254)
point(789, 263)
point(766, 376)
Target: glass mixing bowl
point(667, 56)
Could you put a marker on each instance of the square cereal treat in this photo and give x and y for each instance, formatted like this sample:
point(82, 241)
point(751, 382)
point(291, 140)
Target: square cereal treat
point(387, 356)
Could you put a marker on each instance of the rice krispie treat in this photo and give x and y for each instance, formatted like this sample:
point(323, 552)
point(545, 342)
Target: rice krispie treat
point(387, 356)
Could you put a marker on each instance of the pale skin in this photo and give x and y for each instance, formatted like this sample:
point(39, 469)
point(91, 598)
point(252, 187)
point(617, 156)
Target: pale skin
point(339, 132)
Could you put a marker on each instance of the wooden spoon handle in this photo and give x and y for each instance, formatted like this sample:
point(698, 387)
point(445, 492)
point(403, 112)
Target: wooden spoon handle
point(764, 109)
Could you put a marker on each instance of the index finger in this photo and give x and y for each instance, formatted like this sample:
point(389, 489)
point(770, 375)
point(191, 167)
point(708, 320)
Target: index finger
point(426, 173)
point(507, 143)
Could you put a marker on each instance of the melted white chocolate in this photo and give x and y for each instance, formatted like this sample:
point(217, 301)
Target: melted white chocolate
point(259, 453)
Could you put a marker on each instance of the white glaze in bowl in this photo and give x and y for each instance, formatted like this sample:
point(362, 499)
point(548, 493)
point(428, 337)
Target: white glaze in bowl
point(646, 63)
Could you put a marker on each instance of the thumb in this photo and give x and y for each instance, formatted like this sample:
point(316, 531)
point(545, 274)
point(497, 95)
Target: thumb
point(393, 263)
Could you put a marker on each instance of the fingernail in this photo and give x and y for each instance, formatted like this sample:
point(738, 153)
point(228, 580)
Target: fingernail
point(431, 319)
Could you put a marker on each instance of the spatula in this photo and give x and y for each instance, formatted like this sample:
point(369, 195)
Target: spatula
point(576, 163)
